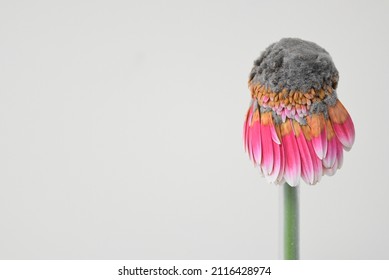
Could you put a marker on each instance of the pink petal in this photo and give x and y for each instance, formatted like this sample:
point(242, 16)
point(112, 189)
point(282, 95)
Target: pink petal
point(256, 142)
point(317, 164)
point(330, 158)
point(342, 124)
point(318, 134)
point(280, 178)
point(339, 153)
point(267, 149)
point(274, 135)
point(273, 176)
point(307, 172)
point(320, 144)
point(331, 170)
point(246, 128)
point(292, 171)
point(345, 133)
point(283, 115)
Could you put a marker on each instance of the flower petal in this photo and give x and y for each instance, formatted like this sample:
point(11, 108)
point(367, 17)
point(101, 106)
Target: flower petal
point(267, 143)
point(318, 133)
point(331, 170)
point(342, 124)
point(339, 153)
point(307, 172)
point(280, 178)
point(316, 161)
point(292, 171)
point(277, 163)
point(330, 158)
point(255, 134)
point(246, 127)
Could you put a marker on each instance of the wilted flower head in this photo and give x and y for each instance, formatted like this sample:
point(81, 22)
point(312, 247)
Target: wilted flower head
point(295, 125)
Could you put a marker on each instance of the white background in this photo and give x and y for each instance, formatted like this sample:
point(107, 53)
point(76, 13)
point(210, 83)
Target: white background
point(121, 130)
point(109, 269)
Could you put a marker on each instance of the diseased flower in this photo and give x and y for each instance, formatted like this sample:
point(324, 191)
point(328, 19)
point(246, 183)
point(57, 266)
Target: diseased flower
point(295, 125)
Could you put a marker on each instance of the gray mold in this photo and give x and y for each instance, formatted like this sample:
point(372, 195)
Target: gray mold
point(294, 64)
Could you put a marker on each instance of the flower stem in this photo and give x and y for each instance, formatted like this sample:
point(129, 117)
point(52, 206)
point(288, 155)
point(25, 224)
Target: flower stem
point(291, 222)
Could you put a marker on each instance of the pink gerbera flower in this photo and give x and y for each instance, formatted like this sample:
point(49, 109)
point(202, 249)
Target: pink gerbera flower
point(295, 125)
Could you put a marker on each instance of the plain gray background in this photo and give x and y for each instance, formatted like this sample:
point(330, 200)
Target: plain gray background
point(121, 130)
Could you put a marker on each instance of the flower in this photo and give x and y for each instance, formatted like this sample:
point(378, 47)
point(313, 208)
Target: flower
point(295, 125)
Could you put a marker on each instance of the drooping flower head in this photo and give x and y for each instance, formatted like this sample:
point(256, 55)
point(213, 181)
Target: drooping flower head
point(295, 125)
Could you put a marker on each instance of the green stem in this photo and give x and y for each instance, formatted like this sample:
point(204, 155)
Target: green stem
point(291, 222)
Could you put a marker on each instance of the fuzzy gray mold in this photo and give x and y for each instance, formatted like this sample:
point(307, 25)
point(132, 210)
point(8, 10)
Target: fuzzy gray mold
point(330, 100)
point(319, 107)
point(296, 65)
point(276, 118)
